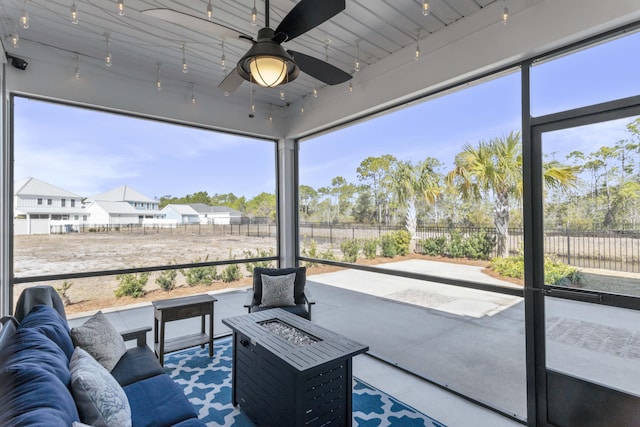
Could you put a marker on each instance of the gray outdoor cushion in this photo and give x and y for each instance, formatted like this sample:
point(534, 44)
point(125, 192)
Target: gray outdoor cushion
point(299, 283)
point(99, 398)
point(99, 338)
point(277, 291)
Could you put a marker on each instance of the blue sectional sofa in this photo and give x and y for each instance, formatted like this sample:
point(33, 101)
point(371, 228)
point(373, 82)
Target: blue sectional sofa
point(35, 378)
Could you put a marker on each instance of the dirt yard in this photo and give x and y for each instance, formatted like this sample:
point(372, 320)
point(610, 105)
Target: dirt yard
point(37, 255)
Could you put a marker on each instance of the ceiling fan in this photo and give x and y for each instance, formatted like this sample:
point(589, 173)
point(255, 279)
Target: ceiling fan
point(267, 63)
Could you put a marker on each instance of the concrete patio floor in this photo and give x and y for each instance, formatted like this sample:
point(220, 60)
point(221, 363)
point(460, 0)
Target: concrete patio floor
point(466, 340)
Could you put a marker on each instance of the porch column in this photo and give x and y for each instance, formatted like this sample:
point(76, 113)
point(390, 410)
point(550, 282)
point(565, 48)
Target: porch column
point(287, 175)
point(6, 199)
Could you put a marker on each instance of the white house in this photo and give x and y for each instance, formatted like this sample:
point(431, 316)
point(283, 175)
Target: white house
point(122, 205)
point(217, 214)
point(37, 203)
point(182, 214)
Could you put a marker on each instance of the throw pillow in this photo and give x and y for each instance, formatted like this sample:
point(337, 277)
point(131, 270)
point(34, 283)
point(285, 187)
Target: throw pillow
point(277, 291)
point(99, 398)
point(99, 338)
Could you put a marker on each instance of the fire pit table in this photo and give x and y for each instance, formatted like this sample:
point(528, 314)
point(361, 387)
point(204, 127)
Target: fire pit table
point(288, 371)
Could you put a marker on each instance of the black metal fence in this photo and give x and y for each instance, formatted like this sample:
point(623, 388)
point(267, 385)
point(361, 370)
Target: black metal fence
point(251, 230)
point(617, 250)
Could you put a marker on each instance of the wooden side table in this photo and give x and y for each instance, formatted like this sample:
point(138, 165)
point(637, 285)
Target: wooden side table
point(177, 309)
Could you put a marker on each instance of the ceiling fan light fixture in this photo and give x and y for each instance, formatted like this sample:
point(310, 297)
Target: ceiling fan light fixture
point(268, 71)
point(267, 63)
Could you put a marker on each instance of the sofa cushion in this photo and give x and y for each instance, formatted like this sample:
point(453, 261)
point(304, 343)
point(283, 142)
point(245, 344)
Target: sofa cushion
point(137, 364)
point(47, 320)
point(32, 396)
point(277, 291)
point(99, 398)
point(31, 349)
point(158, 401)
point(99, 338)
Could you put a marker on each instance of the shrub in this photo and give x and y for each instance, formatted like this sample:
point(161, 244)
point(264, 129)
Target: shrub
point(479, 245)
point(311, 253)
point(167, 279)
point(370, 248)
point(388, 245)
point(200, 275)
point(132, 284)
point(62, 291)
point(328, 255)
point(260, 253)
point(231, 273)
point(434, 246)
point(455, 246)
point(512, 266)
point(350, 249)
point(402, 240)
point(555, 273)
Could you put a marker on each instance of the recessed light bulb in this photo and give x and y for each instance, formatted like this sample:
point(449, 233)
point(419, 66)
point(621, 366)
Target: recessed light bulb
point(282, 97)
point(15, 40)
point(505, 15)
point(107, 59)
point(121, 7)
point(315, 92)
point(209, 11)
point(425, 8)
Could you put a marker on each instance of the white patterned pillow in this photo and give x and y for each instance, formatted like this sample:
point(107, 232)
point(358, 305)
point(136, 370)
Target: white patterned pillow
point(99, 398)
point(277, 291)
point(99, 338)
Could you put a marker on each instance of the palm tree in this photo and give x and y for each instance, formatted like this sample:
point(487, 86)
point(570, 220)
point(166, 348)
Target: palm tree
point(494, 169)
point(410, 182)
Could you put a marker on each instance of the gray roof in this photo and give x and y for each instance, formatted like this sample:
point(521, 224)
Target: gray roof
point(201, 208)
point(119, 208)
point(34, 187)
point(181, 209)
point(123, 193)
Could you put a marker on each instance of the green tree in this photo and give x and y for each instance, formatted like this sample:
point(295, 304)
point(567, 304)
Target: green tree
point(263, 205)
point(374, 171)
point(308, 199)
point(494, 169)
point(410, 182)
point(363, 211)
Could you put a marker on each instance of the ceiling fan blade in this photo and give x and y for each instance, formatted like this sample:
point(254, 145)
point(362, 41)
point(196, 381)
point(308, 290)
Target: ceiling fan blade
point(308, 14)
point(320, 70)
point(231, 82)
point(195, 23)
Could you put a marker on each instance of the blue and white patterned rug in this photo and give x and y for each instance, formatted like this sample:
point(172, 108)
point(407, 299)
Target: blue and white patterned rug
point(207, 384)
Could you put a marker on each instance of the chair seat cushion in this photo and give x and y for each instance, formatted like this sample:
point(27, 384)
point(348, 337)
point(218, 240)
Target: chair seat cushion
point(158, 401)
point(298, 310)
point(137, 364)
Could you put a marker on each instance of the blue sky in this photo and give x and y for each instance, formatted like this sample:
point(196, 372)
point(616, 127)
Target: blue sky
point(88, 152)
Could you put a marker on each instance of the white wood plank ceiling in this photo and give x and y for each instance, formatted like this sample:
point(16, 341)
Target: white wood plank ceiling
point(138, 43)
